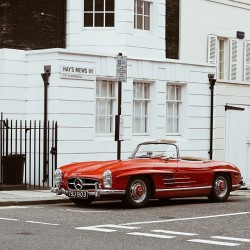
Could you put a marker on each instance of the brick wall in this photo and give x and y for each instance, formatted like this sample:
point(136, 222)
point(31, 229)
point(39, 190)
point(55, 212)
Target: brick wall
point(32, 24)
point(172, 29)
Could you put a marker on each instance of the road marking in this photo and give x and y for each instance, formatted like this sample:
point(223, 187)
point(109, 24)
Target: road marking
point(119, 226)
point(161, 236)
point(230, 238)
point(9, 219)
point(219, 243)
point(44, 223)
point(103, 228)
point(84, 211)
point(96, 228)
point(185, 219)
point(173, 232)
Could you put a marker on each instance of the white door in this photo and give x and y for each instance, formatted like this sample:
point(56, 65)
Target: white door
point(237, 139)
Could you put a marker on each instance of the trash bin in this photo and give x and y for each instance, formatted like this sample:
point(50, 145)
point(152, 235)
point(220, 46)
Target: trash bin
point(13, 167)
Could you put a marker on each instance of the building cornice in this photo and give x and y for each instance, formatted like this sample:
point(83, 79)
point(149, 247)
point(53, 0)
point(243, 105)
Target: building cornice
point(243, 4)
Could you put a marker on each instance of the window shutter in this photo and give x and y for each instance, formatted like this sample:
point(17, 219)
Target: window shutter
point(233, 59)
point(212, 49)
point(247, 62)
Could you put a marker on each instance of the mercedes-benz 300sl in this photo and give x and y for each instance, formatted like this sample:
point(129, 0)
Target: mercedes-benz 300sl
point(155, 170)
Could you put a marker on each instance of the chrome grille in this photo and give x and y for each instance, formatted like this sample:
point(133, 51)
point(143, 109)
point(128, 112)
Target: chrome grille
point(83, 183)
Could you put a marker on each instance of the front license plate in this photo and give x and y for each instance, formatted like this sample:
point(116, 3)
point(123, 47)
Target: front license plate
point(78, 194)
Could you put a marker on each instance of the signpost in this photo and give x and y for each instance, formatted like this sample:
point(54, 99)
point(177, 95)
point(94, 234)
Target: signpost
point(121, 76)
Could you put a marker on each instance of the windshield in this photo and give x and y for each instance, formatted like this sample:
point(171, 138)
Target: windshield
point(156, 150)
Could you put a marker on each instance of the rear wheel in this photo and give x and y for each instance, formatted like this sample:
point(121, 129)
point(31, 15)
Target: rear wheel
point(221, 188)
point(137, 192)
point(83, 202)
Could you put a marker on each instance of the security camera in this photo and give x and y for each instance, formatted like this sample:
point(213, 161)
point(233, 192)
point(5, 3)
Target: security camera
point(47, 68)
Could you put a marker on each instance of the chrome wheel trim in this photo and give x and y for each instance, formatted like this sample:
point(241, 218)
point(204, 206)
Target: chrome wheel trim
point(221, 186)
point(138, 191)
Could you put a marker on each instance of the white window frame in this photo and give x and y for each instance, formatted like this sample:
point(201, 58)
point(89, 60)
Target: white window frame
point(143, 15)
point(221, 58)
point(98, 12)
point(175, 102)
point(144, 101)
point(110, 102)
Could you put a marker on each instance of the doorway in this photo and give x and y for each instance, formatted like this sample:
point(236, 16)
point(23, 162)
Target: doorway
point(237, 138)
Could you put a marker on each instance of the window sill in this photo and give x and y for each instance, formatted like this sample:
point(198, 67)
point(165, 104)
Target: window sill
point(140, 134)
point(232, 82)
point(98, 28)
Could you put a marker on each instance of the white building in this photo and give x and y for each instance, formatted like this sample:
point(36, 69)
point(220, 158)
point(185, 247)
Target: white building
point(162, 98)
point(220, 35)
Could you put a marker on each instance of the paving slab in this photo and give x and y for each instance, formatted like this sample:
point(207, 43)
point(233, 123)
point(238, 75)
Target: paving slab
point(16, 197)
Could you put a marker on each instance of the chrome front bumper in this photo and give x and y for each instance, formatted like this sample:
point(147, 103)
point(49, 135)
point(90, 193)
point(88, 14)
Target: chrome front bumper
point(96, 192)
point(242, 183)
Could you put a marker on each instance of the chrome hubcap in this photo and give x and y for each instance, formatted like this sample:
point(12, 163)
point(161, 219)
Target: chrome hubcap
point(138, 191)
point(221, 186)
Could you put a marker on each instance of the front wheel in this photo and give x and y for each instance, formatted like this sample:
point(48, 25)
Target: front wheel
point(137, 192)
point(83, 202)
point(220, 189)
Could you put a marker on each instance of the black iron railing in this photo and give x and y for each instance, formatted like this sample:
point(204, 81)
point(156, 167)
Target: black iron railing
point(22, 146)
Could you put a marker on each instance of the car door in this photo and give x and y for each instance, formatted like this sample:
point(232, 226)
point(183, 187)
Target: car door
point(194, 177)
point(165, 182)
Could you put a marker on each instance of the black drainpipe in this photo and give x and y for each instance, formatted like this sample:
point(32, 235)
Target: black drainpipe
point(212, 83)
point(45, 77)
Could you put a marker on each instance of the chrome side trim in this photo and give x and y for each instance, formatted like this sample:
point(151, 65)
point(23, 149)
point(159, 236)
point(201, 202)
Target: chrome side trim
point(173, 179)
point(179, 189)
point(173, 183)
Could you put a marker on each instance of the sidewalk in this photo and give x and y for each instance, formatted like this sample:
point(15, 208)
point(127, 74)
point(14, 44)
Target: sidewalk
point(31, 197)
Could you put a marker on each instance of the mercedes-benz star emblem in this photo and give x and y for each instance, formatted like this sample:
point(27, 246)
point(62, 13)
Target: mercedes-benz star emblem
point(78, 183)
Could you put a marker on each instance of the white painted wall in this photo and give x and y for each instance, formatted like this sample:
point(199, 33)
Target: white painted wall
point(72, 102)
point(199, 18)
point(13, 88)
point(122, 38)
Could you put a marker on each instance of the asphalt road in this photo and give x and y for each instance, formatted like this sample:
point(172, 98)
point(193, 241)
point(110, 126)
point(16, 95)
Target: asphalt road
point(177, 224)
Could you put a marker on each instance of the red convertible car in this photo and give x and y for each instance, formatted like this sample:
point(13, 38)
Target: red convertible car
point(154, 170)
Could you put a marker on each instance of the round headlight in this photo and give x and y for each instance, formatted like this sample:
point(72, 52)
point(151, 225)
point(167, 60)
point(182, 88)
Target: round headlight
point(107, 179)
point(58, 177)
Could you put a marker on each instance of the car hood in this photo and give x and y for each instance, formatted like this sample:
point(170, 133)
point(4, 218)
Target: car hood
point(116, 166)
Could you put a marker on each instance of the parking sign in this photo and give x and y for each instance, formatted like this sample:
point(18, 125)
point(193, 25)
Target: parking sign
point(121, 69)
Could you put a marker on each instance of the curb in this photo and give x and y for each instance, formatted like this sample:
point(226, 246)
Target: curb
point(34, 202)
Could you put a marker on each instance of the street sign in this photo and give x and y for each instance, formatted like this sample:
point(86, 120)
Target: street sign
point(121, 69)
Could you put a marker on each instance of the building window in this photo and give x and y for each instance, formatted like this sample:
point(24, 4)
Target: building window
point(105, 99)
point(142, 15)
point(99, 13)
point(141, 99)
point(221, 59)
point(173, 102)
point(223, 52)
